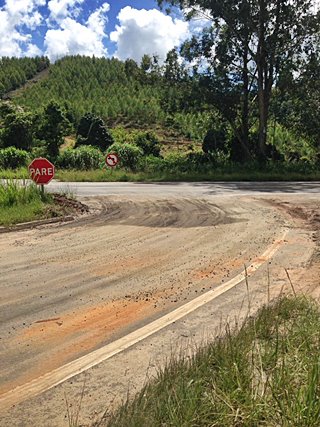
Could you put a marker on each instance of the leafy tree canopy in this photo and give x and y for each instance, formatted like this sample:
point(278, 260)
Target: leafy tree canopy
point(53, 127)
point(93, 131)
point(247, 46)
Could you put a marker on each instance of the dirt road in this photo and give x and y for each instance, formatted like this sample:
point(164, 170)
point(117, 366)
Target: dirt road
point(69, 290)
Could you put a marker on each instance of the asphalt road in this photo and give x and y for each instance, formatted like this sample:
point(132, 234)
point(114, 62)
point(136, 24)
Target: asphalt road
point(194, 189)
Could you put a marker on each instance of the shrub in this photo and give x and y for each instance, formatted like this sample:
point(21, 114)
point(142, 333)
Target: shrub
point(122, 136)
point(17, 131)
point(12, 158)
point(83, 158)
point(198, 159)
point(39, 150)
point(53, 127)
point(129, 154)
point(215, 139)
point(177, 162)
point(148, 142)
point(153, 164)
point(93, 131)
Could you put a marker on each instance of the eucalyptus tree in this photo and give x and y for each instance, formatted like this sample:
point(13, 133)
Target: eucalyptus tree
point(248, 44)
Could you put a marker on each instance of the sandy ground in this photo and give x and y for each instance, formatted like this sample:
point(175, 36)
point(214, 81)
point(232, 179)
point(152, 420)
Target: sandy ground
point(68, 290)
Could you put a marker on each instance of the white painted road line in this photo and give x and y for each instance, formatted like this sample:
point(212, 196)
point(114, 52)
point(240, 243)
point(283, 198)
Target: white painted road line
point(59, 375)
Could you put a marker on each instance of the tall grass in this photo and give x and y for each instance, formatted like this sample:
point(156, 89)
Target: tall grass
point(179, 168)
point(19, 203)
point(20, 173)
point(267, 373)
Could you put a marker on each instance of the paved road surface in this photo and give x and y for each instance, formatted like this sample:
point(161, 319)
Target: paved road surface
point(197, 189)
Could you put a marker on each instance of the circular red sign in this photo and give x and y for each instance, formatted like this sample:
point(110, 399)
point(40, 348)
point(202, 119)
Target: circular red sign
point(112, 160)
point(41, 171)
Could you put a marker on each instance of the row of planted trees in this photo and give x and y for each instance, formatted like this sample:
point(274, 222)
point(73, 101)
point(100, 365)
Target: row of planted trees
point(111, 88)
point(14, 72)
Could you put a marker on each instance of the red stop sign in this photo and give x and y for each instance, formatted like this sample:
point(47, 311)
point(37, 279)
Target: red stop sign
point(41, 171)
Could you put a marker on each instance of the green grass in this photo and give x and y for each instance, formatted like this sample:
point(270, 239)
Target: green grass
point(21, 173)
point(176, 176)
point(21, 203)
point(266, 373)
point(183, 173)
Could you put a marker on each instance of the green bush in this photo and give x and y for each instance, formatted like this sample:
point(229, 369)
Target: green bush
point(129, 154)
point(17, 131)
point(197, 159)
point(93, 131)
point(12, 158)
point(215, 140)
point(83, 158)
point(292, 147)
point(148, 142)
point(122, 136)
point(39, 150)
point(177, 162)
point(153, 164)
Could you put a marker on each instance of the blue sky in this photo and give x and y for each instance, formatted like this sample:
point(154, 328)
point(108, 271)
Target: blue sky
point(121, 28)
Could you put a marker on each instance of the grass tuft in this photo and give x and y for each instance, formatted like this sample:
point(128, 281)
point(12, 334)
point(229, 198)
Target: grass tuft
point(265, 373)
point(21, 203)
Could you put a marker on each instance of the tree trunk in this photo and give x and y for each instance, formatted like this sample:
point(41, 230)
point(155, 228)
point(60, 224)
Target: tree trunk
point(262, 84)
point(245, 106)
point(263, 123)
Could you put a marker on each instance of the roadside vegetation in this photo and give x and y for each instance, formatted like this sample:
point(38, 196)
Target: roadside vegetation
point(246, 99)
point(22, 203)
point(265, 372)
point(164, 121)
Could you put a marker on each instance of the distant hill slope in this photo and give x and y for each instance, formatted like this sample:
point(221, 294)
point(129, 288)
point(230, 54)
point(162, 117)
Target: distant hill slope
point(15, 72)
point(120, 92)
point(39, 76)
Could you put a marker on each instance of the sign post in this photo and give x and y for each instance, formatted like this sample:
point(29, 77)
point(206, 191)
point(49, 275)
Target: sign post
point(41, 171)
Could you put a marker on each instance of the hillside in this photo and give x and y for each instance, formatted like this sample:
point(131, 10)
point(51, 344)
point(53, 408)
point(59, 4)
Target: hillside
point(183, 109)
point(15, 72)
point(122, 93)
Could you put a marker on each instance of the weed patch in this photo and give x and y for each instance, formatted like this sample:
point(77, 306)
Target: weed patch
point(20, 203)
point(267, 372)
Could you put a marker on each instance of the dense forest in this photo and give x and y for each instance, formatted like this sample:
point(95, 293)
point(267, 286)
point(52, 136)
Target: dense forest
point(14, 72)
point(121, 92)
point(247, 88)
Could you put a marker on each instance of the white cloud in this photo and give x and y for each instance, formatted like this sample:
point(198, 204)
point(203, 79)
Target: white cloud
point(201, 19)
point(72, 38)
point(9, 37)
point(61, 9)
point(32, 21)
point(15, 14)
point(19, 9)
point(98, 19)
point(32, 50)
point(147, 32)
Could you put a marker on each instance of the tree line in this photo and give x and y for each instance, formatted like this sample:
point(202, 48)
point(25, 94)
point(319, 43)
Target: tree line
point(247, 85)
point(261, 65)
point(112, 89)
